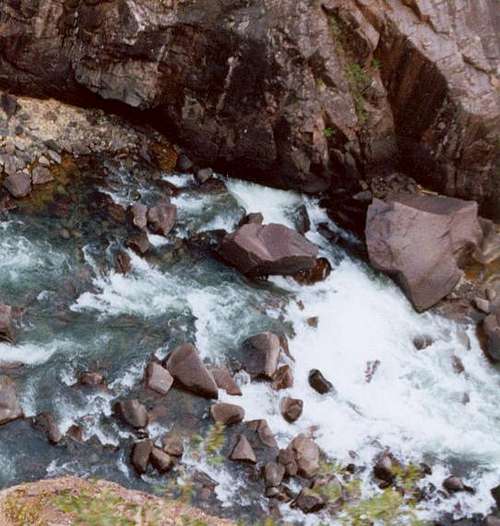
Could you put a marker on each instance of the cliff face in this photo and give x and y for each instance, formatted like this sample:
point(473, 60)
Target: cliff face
point(301, 94)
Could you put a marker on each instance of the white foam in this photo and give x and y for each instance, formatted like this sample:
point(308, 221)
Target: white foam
point(275, 205)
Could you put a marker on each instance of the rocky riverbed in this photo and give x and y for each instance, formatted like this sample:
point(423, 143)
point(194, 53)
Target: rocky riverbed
point(218, 341)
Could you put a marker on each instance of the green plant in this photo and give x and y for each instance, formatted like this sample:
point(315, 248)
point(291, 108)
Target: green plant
point(328, 132)
point(20, 513)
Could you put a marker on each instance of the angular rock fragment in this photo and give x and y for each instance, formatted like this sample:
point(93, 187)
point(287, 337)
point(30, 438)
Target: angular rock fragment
point(158, 379)
point(243, 451)
point(227, 414)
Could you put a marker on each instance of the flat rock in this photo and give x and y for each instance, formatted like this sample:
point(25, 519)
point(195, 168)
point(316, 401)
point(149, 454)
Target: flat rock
point(185, 365)
point(158, 379)
point(418, 240)
point(10, 408)
point(227, 414)
point(268, 249)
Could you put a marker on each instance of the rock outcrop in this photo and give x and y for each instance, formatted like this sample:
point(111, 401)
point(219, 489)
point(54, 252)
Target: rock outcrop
point(308, 95)
point(419, 241)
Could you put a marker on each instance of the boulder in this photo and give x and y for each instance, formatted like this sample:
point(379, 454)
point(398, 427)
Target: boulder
point(286, 457)
point(419, 240)
point(158, 379)
point(185, 365)
point(7, 332)
point(306, 456)
point(243, 451)
point(386, 467)
point(258, 250)
point(41, 175)
point(273, 474)
point(161, 218)
point(172, 444)
point(454, 484)
point(309, 501)
point(91, 379)
point(227, 414)
point(204, 174)
point(161, 460)
point(283, 378)
point(491, 329)
point(138, 215)
point(261, 354)
point(141, 453)
point(10, 408)
point(291, 409)
point(18, 184)
point(319, 272)
point(133, 413)
point(139, 243)
point(266, 436)
point(46, 423)
point(319, 383)
point(225, 381)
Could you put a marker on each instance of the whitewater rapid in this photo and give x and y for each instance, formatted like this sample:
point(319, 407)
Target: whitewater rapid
point(413, 404)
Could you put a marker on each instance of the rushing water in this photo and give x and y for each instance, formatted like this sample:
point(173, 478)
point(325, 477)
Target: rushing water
point(80, 314)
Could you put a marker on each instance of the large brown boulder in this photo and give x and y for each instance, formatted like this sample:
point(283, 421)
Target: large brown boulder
point(419, 241)
point(10, 408)
point(185, 365)
point(261, 354)
point(268, 249)
point(305, 453)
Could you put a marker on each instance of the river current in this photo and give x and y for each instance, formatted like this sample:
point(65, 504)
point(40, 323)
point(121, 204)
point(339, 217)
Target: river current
point(79, 313)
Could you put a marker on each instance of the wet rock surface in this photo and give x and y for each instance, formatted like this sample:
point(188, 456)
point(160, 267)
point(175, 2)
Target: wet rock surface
point(419, 239)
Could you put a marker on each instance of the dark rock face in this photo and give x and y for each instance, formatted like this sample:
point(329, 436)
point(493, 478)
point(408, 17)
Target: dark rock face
point(185, 365)
point(18, 184)
point(268, 249)
point(161, 218)
point(269, 89)
point(10, 409)
point(309, 501)
point(419, 239)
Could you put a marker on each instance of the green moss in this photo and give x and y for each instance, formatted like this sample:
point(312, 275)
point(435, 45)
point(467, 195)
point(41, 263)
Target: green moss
point(21, 513)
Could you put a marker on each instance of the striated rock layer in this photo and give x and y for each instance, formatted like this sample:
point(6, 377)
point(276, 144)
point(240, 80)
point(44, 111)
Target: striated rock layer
point(300, 94)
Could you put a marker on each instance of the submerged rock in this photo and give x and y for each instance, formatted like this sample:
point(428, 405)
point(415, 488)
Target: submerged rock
point(10, 408)
point(243, 451)
point(259, 250)
point(7, 332)
point(91, 379)
point(261, 354)
point(319, 272)
point(123, 263)
point(418, 240)
point(455, 484)
point(386, 467)
point(185, 365)
point(139, 243)
point(227, 414)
